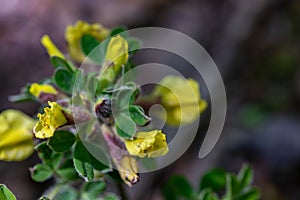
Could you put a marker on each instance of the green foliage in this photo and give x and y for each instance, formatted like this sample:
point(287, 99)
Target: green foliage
point(119, 31)
point(41, 172)
point(64, 80)
point(211, 184)
point(92, 48)
point(23, 96)
point(85, 163)
point(137, 113)
point(128, 116)
point(125, 126)
point(178, 187)
point(61, 141)
point(48, 156)
point(58, 62)
point(214, 179)
point(5, 193)
point(91, 191)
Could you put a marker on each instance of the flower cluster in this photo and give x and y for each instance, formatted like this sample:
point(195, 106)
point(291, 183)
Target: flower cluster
point(123, 134)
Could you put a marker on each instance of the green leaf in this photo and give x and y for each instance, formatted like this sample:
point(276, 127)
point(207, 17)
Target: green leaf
point(111, 197)
point(228, 195)
point(68, 173)
point(20, 98)
point(67, 170)
point(58, 62)
point(214, 179)
point(62, 141)
point(41, 172)
point(125, 126)
point(64, 80)
point(119, 31)
point(93, 49)
point(24, 95)
point(50, 158)
point(137, 113)
point(251, 194)
point(134, 45)
point(93, 189)
point(79, 81)
point(5, 193)
point(88, 44)
point(245, 176)
point(208, 195)
point(126, 96)
point(178, 187)
point(66, 193)
point(83, 162)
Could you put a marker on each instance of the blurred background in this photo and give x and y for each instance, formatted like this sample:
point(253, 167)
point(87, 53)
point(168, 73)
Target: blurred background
point(255, 44)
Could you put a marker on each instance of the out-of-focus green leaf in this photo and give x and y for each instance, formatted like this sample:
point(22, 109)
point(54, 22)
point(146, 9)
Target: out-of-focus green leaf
point(119, 31)
point(134, 45)
point(41, 172)
point(245, 176)
point(92, 190)
point(48, 156)
point(111, 197)
point(5, 193)
point(178, 187)
point(214, 180)
point(208, 195)
point(67, 170)
point(58, 62)
point(23, 96)
point(64, 80)
point(93, 49)
point(66, 193)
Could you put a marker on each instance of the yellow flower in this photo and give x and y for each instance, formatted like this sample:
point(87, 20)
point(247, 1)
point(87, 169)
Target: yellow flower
point(181, 99)
point(128, 169)
point(52, 118)
point(117, 52)
point(36, 89)
point(51, 48)
point(16, 138)
point(74, 34)
point(150, 144)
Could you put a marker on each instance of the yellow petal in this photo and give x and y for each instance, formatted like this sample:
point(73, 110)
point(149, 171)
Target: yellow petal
point(128, 169)
point(74, 34)
point(51, 48)
point(16, 140)
point(52, 118)
point(181, 98)
point(36, 89)
point(150, 144)
point(117, 52)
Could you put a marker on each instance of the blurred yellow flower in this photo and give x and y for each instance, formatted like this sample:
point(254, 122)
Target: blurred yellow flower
point(181, 98)
point(128, 169)
point(117, 52)
point(36, 89)
point(52, 118)
point(51, 48)
point(16, 138)
point(150, 144)
point(74, 34)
